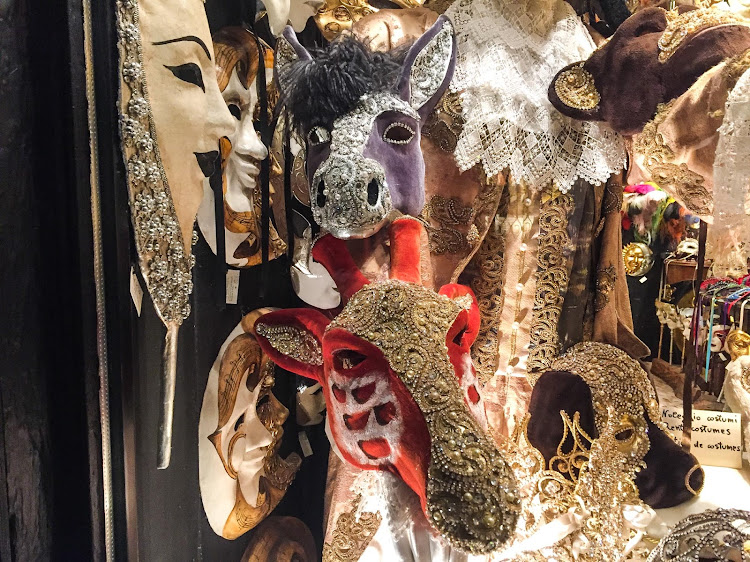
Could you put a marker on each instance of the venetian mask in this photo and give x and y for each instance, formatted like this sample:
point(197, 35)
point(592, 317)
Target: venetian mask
point(190, 115)
point(242, 477)
point(738, 343)
point(237, 62)
point(608, 388)
point(401, 390)
point(172, 117)
point(310, 280)
point(638, 259)
point(364, 160)
point(292, 12)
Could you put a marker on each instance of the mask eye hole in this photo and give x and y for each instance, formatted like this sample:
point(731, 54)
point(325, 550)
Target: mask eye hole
point(235, 110)
point(398, 133)
point(347, 359)
point(625, 434)
point(318, 135)
point(458, 338)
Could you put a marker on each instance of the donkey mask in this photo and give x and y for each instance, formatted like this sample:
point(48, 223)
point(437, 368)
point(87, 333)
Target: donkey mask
point(400, 388)
point(361, 114)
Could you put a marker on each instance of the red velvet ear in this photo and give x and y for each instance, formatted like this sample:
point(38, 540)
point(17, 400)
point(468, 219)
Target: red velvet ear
point(292, 339)
point(333, 254)
point(405, 234)
point(453, 291)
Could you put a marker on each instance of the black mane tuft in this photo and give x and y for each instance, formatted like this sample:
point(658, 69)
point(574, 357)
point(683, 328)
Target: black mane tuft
point(318, 91)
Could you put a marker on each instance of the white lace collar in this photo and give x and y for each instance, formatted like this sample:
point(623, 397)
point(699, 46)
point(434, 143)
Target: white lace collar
point(508, 53)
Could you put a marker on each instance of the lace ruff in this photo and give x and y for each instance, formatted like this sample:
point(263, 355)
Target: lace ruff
point(508, 53)
point(729, 235)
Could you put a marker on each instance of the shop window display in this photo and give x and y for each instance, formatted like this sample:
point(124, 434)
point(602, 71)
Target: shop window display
point(419, 234)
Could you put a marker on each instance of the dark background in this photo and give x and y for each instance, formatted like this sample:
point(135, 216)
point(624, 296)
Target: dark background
point(51, 501)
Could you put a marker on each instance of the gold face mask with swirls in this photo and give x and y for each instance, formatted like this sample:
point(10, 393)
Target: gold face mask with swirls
point(337, 16)
point(242, 476)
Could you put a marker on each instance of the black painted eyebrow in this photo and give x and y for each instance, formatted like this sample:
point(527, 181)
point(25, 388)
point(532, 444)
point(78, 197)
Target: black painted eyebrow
point(192, 38)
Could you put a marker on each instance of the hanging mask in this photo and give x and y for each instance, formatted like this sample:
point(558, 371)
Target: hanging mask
point(364, 160)
point(172, 117)
point(242, 477)
point(237, 63)
point(400, 388)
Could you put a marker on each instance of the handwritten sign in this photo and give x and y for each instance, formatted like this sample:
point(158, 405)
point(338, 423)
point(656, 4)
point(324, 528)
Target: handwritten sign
point(717, 436)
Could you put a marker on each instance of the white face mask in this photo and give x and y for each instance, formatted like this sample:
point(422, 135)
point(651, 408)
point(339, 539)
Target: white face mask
point(189, 113)
point(292, 12)
point(234, 437)
point(310, 280)
point(242, 166)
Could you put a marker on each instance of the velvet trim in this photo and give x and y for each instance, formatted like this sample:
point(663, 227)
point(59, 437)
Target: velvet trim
point(405, 236)
point(333, 254)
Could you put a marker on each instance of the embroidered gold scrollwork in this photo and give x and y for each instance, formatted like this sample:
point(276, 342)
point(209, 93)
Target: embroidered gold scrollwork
point(445, 123)
point(677, 179)
point(351, 535)
point(552, 280)
point(679, 26)
point(605, 282)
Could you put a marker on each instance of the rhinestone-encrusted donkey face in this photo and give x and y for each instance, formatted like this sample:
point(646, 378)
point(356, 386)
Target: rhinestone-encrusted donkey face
point(367, 162)
point(401, 394)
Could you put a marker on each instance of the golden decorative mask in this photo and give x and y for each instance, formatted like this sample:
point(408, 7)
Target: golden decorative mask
point(238, 60)
point(336, 16)
point(638, 259)
point(738, 343)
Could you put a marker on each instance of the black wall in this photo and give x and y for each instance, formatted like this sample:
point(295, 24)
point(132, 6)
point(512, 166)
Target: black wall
point(47, 342)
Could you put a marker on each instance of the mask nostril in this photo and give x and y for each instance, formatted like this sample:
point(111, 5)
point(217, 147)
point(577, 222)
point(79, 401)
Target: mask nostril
point(321, 196)
point(373, 192)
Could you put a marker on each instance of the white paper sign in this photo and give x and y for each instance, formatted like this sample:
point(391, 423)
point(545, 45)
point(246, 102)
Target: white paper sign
point(136, 291)
point(717, 436)
point(233, 285)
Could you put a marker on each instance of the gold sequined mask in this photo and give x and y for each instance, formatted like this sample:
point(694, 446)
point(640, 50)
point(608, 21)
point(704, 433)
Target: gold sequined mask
point(401, 390)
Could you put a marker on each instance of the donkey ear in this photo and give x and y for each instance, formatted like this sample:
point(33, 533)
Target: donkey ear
point(292, 339)
point(428, 67)
point(465, 297)
point(288, 51)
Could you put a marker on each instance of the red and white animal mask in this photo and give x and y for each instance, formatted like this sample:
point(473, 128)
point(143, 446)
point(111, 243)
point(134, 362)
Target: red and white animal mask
point(400, 387)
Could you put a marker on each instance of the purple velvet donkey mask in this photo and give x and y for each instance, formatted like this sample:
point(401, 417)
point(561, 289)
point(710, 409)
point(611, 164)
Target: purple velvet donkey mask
point(361, 113)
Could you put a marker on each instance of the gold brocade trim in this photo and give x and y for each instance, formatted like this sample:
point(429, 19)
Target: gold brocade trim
point(679, 26)
point(618, 383)
point(605, 282)
point(677, 179)
point(471, 492)
point(552, 281)
point(735, 67)
point(570, 463)
point(487, 284)
point(351, 535)
point(294, 342)
point(602, 486)
point(448, 213)
point(445, 124)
